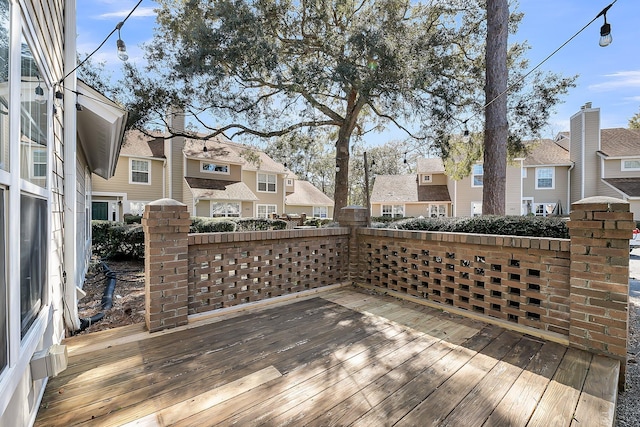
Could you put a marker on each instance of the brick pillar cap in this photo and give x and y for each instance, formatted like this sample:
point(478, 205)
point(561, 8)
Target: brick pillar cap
point(599, 200)
point(166, 202)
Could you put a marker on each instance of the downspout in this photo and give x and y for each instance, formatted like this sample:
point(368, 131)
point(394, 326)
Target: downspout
point(455, 198)
point(569, 186)
point(583, 143)
point(70, 177)
point(164, 176)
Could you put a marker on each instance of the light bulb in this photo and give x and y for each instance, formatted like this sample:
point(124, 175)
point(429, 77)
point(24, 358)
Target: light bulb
point(605, 35)
point(40, 98)
point(122, 50)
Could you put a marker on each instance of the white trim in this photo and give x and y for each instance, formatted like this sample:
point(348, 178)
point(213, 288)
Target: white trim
point(423, 179)
point(553, 178)
point(226, 213)
point(471, 211)
point(130, 172)
point(614, 188)
point(267, 206)
point(393, 209)
point(313, 211)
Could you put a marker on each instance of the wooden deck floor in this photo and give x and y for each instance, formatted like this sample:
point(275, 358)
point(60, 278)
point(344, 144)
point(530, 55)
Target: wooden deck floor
point(342, 358)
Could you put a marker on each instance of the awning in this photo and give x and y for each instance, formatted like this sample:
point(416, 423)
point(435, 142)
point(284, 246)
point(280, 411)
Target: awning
point(100, 126)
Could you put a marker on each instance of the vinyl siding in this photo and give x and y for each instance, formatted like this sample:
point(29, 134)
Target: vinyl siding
point(193, 170)
point(575, 154)
point(466, 195)
point(551, 195)
point(436, 179)
point(277, 198)
point(187, 197)
point(513, 201)
point(138, 192)
point(592, 145)
point(613, 169)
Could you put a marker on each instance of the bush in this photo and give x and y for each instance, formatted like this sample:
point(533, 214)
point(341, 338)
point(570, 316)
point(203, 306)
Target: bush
point(317, 222)
point(211, 225)
point(260, 224)
point(132, 219)
point(530, 226)
point(117, 240)
point(386, 219)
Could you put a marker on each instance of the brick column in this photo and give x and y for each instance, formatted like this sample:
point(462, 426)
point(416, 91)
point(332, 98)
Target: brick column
point(600, 229)
point(353, 217)
point(166, 227)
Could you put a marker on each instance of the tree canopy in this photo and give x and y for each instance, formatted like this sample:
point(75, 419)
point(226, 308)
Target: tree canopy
point(267, 68)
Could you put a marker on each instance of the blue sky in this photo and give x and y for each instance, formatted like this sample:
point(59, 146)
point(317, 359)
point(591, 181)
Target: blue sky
point(608, 77)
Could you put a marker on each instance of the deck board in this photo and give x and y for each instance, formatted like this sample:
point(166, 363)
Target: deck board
point(339, 358)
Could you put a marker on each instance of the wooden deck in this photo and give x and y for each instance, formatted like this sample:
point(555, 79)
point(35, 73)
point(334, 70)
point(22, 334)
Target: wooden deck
point(340, 358)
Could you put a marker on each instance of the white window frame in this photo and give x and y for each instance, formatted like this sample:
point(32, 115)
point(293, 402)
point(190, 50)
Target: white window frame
point(34, 163)
point(524, 172)
point(267, 210)
point(624, 167)
point(525, 203)
point(553, 178)
point(474, 173)
point(545, 209)
point(427, 178)
point(320, 212)
point(393, 211)
point(131, 171)
point(440, 210)
point(289, 182)
point(228, 213)
point(476, 208)
point(265, 178)
point(215, 170)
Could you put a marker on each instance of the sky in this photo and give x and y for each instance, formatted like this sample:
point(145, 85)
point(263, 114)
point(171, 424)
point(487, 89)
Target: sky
point(609, 77)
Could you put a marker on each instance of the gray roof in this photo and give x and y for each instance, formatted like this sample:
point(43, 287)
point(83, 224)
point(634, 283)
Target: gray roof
point(547, 152)
point(620, 142)
point(430, 165)
point(628, 186)
point(223, 150)
point(138, 144)
point(306, 194)
point(217, 189)
point(405, 189)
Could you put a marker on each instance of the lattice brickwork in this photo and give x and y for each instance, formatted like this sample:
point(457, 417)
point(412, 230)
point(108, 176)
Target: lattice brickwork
point(227, 269)
point(522, 280)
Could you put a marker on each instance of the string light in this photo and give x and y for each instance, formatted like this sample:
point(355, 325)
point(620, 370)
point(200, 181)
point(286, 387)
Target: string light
point(122, 48)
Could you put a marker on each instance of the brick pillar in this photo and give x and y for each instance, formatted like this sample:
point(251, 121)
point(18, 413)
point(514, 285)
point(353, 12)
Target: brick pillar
point(353, 217)
point(166, 227)
point(600, 229)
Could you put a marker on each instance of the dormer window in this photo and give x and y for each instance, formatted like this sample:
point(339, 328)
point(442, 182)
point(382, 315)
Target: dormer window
point(289, 182)
point(214, 167)
point(631, 165)
point(426, 178)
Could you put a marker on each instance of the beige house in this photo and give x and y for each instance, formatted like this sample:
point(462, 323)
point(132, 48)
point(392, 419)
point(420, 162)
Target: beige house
point(214, 178)
point(587, 161)
point(49, 151)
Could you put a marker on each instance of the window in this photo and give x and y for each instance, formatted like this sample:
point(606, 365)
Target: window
point(265, 211)
point(426, 178)
point(34, 120)
point(4, 83)
point(4, 338)
point(267, 182)
point(289, 182)
point(527, 206)
point(437, 210)
point(136, 208)
point(214, 168)
point(545, 209)
point(320, 212)
point(39, 164)
point(477, 173)
point(545, 178)
point(140, 172)
point(393, 211)
point(631, 165)
point(33, 258)
point(228, 209)
point(524, 172)
point(476, 208)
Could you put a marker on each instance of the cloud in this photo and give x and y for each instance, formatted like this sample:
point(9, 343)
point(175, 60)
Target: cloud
point(618, 80)
point(142, 12)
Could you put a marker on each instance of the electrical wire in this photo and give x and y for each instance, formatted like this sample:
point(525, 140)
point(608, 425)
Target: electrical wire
point(117, 28)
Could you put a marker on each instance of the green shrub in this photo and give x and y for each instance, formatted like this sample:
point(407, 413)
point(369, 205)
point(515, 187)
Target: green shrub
point(132, 219)
point(530, 226)
point(317, 222)
point(387, 219)
point(260, 224)
point(211, 225)
point(114, 240)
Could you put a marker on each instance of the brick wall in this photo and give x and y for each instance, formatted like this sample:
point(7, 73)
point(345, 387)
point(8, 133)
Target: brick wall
point(520, 280)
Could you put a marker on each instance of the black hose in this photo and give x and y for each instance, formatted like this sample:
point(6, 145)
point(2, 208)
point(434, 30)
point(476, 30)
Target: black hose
point(107, 298)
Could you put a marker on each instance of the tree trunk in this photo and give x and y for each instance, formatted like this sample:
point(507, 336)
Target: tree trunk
point(496, 125)
point(341, 192)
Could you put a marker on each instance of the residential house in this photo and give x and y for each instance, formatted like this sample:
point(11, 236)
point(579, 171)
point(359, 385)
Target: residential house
point(587, 161)
point(431, 193)
point(48, 153)
point(214, 178)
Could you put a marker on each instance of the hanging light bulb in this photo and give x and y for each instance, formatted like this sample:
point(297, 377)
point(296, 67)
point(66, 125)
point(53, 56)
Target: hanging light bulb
point(605, 30)
point(122, 48)
point(466, 136)
point(204, 148)
point(405, 158)
point(40, 98)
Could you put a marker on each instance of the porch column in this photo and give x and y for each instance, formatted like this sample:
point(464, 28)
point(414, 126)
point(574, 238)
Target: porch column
point(166, 227)
point(600, 229)
point(354, 217)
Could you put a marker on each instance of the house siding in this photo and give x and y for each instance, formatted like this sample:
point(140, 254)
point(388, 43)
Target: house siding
point(135, 192)
point(613, 169)
point(250, 179)
point(513, 197)
point(193, 171)
point(585, 142)
point(466, 195)
point(575, 155)
point(561, 181)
